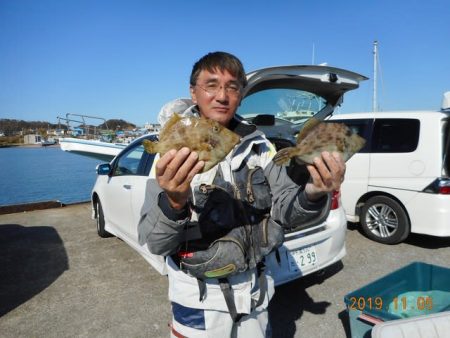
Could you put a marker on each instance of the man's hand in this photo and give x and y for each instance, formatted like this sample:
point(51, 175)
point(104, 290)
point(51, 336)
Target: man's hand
point(174, 173)
point(327, 174)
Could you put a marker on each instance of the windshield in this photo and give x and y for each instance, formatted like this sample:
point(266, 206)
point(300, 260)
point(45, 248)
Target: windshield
point(291, 105)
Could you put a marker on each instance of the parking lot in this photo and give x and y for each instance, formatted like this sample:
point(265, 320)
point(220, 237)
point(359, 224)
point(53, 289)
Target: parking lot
point(59, 279)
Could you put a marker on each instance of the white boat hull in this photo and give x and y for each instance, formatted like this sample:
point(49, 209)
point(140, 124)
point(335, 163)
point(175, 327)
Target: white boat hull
point(100, 150)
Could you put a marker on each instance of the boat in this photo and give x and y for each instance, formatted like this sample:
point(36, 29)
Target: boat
point(97, 149)
point(96, 142)
point(46, 143)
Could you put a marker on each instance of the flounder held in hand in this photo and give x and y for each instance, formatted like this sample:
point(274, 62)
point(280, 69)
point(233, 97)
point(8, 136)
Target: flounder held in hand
point(316, 137)
point(207, 137)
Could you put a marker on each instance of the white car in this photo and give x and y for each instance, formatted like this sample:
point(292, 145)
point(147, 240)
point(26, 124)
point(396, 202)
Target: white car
point(278, 100)
point(399, 182)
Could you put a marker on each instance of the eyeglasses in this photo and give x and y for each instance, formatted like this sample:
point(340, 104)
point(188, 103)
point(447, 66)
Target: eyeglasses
point(213, 88)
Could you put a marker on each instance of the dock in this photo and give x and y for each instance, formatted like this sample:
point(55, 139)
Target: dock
point(59, 279)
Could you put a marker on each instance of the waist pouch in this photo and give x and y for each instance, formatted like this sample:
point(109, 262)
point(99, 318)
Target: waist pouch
point(237, 231)
point(240, 249)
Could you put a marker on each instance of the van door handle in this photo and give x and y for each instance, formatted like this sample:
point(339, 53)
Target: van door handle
point(127, 186)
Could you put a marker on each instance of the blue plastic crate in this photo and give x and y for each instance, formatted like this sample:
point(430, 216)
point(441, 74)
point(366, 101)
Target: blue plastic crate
point(414, 290)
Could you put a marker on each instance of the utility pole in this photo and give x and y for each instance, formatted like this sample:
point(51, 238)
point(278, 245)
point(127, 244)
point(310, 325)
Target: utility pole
point(375, 62)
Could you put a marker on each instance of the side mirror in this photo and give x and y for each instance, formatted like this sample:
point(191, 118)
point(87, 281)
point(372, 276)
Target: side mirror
point(103, 169)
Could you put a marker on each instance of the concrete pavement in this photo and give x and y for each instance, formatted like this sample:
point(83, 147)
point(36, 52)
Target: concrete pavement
point(59, 279)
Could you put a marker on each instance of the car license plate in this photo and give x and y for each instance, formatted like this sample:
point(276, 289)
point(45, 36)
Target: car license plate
point(301, 259)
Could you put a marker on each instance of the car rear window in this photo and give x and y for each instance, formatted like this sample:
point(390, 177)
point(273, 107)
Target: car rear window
point(395, 135)
point(293, 105)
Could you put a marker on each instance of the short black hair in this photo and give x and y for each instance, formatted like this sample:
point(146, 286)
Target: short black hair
point(222, 61)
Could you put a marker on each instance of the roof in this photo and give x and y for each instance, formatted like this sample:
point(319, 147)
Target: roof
point(393, 114)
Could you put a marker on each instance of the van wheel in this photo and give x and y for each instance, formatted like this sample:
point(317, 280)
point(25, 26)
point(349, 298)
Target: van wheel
point(384, 220)
point(101, 221)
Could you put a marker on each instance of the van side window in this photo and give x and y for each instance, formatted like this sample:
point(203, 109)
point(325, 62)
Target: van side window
point(446, 154)
point(362, 127)
point(395, 135)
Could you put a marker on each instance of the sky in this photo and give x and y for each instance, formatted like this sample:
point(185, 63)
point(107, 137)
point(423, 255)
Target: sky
point(124, 59)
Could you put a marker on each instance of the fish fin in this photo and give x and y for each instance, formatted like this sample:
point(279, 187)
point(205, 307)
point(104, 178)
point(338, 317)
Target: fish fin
point(173, 119)
point(307, 127)
point(166, 130)
point(356, 144)
point(360, 142)
point(150, 147)
point(283, 156)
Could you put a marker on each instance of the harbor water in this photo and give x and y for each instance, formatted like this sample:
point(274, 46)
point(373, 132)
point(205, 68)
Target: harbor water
point(36, 174)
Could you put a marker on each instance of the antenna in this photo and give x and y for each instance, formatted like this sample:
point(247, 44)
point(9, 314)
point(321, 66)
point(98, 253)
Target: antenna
point(375, 58)
point(313, 52)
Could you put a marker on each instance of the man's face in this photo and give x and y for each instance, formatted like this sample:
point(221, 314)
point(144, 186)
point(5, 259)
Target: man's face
point(217, 95)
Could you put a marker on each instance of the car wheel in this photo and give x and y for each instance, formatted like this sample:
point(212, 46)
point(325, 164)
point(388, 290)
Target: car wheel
point(101, 221)
point(384, 220)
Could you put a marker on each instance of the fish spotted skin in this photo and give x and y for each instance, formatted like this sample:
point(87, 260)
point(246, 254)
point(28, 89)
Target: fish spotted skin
point(207, 137)
point(317, 137)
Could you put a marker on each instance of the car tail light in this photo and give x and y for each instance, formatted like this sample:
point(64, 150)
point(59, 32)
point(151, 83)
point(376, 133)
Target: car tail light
point(440, 185)
point(335, 200)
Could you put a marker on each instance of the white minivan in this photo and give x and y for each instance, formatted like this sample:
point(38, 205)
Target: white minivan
point(399, 182)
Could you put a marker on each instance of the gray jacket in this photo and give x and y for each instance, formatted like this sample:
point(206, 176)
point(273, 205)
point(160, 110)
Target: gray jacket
point(164, 230)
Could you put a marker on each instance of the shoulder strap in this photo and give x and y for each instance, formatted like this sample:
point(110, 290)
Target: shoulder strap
point(199, 179)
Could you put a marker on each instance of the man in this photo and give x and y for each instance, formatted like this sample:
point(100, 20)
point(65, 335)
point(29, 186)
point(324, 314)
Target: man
point(216, 85)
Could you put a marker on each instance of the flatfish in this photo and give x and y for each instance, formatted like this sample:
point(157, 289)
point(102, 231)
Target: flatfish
point(316, 137)
point(208, 138)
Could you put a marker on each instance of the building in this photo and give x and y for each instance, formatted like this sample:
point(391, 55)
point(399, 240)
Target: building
point(32, 139)
point(152, 127)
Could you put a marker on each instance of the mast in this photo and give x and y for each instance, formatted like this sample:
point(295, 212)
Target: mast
point(375, 58)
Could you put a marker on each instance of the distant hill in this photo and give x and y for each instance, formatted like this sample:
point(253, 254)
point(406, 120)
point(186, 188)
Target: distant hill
point(11, 127)
point(117, 124)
